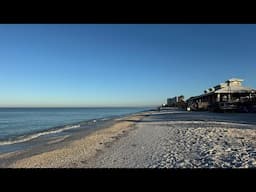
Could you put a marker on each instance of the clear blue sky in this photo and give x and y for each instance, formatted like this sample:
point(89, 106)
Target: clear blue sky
point(120, 65)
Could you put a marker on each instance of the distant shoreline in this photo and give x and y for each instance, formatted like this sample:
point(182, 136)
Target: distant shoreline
point(77, 107)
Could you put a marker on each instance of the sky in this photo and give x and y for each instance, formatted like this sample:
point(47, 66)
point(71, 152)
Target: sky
point(96, 65)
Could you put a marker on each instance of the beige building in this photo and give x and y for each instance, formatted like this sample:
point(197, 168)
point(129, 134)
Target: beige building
point(230, 95)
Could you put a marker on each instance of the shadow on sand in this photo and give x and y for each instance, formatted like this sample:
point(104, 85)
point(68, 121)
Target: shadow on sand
point(243, 118)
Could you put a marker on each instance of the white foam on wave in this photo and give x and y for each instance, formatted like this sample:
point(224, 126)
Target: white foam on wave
point(34, 136)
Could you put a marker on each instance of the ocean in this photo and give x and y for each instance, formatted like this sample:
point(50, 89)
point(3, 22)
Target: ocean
point(19, 125)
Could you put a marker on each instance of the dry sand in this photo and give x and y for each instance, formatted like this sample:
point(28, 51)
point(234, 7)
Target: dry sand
point(160, 141)
point(166, 139)
point(78, 152)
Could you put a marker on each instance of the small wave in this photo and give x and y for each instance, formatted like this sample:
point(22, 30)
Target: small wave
point(34, 136)
point(4, 121)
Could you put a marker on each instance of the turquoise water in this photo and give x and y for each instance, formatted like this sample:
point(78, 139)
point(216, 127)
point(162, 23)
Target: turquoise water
point(19, 122)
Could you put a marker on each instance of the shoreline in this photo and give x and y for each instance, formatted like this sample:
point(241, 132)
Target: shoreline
point(87, 142)
point(9, 144)
point(151, 139)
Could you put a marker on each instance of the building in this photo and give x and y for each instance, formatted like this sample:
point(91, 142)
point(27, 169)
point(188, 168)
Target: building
point(172, 101)
point(230, 95)
point(175, 101)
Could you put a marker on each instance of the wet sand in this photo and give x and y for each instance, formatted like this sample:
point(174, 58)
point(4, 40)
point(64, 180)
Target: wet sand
point(166, 139)
point(72, 153)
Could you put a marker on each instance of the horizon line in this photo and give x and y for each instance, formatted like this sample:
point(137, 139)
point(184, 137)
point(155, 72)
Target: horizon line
point(75, 106)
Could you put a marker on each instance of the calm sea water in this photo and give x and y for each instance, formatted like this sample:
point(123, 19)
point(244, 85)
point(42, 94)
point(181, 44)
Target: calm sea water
point(19, 122)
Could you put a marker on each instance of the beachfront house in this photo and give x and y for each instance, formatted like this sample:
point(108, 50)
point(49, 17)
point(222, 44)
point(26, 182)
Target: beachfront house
point(230, 95)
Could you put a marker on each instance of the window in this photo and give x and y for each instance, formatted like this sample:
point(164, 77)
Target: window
point(224, 98)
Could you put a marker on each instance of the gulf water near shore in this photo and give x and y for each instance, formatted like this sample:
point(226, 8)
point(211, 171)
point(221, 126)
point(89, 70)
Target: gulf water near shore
point(152, 139)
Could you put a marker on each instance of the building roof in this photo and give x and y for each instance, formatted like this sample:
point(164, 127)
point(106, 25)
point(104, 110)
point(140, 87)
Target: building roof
point(235, 79)
point(226, 88)
point(234, 89)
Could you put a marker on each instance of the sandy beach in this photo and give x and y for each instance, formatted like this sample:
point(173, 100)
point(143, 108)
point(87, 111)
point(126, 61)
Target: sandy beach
point(165, 139)
point(74, 153)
